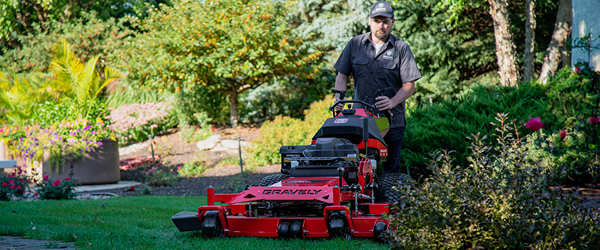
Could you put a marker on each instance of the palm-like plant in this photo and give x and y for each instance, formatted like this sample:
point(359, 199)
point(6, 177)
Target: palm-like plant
point(20, 94)
point(81, 81)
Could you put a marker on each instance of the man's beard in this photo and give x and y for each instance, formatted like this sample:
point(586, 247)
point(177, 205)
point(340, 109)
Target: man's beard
point(382, 37)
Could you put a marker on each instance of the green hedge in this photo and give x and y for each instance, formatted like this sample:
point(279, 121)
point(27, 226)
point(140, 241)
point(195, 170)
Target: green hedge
point(446, 124)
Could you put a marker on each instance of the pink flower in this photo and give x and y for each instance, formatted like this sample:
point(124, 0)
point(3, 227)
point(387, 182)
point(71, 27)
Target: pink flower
point(153, 126)
point(151, 170)
point(45, 177)
point(18, 187)
point(178, 168)
point(36, 194)
point(535, 124)
point(11, 182)
point(595, 120)
point(577, 70)
point(12, 186)
point(99, 143)
point(563, 134)
point(4, 184)
point(68, 179)
point(56, 183)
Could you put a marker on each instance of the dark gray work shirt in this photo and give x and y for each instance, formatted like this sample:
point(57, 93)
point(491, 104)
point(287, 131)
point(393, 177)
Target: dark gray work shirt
point(393, 66)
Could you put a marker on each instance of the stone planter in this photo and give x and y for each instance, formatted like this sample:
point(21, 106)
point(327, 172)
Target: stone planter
point(100, 166)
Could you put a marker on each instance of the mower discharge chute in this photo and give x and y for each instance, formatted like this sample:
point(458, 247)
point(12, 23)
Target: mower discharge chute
point(326, 189)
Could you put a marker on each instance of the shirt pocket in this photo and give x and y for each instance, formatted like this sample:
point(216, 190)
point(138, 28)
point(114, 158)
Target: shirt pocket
point(387, 64)
point(361, 61)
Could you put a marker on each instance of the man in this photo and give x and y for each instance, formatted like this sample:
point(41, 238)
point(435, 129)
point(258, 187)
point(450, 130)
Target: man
point(380, 62)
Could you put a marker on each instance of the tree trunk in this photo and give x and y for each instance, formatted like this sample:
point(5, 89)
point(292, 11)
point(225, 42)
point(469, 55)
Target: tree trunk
point(562, 28)
point(529, 40)
point(505, 48)
point(233, 108)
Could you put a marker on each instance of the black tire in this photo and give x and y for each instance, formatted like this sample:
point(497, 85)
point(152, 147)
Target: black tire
point(337, 228)
point(272, 179)
point(385, 192)
point(211, 225)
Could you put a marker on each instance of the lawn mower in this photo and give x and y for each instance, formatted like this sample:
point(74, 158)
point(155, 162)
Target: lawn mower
point(326, 189)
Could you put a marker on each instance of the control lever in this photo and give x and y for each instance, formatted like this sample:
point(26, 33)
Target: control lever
point(341, 173)
point(388, 113)
point(342, 96)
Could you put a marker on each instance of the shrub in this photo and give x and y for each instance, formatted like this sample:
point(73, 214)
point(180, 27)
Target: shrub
point(160, 177)
point(192, 169)
point(14, 185)
point(58, 189)
point(287, 131)
point(502, 200)
point(575, 101)
point(445, 124)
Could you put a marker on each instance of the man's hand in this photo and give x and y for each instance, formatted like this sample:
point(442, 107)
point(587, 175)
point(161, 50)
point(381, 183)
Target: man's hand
point(340, 106)
point(384, 103)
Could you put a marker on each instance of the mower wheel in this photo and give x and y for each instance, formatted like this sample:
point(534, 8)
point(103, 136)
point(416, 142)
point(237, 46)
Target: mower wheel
point(272, 179)
point(337, 228)
point(386, 193)
point(296, 230)
point(283, 230)
point(211, 225)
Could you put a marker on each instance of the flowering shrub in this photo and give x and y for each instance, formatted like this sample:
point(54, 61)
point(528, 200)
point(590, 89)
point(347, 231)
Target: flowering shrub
point(139, 122)
point(575, 101)
point(65, 140)
point(57, 189)
point(159, 177)
point(502, 200)
point(15, 184)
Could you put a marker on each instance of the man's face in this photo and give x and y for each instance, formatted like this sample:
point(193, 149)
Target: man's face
point(381, 26)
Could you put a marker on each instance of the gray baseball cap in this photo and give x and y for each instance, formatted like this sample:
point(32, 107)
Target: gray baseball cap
point(382, 8)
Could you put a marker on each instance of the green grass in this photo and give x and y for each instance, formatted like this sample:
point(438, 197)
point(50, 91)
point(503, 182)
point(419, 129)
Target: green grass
point(135, 223)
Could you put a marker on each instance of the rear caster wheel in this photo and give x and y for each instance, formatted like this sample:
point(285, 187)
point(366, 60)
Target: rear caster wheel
point(283, 230)
point(211, 225)
point(296, 230)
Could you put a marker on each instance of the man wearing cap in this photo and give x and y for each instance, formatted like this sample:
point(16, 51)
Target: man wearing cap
point(380, 62)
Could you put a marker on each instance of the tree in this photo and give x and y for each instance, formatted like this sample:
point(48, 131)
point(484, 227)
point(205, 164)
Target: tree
point(505, 47)
point(528, 68)
point(562, 28)
point(31, 17)
point(228, 46)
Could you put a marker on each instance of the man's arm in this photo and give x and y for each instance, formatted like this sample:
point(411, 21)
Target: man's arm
point(385, 103)
point(341, 82)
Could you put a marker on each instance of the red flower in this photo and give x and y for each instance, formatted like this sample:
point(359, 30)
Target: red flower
point(68, 179)
point(595, 120)
point(11, 181)
point(535, 124)
point(577, 70)
point(131, 188)
point(212, 129)
point(12, 186)
point(45, 177)
point(56, 183)
point(4, 184)
point(36, 194)
point(563, 134)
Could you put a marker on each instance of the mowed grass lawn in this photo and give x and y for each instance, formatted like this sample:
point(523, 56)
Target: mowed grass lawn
point(136, 223)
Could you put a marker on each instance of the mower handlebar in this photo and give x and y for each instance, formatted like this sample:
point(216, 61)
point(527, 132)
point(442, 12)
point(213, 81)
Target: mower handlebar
point(351, 101)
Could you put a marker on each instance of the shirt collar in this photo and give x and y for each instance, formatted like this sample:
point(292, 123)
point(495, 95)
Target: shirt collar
point(367, 38)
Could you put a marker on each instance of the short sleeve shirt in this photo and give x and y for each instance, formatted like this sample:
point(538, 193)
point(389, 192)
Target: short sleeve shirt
point(387, 70)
